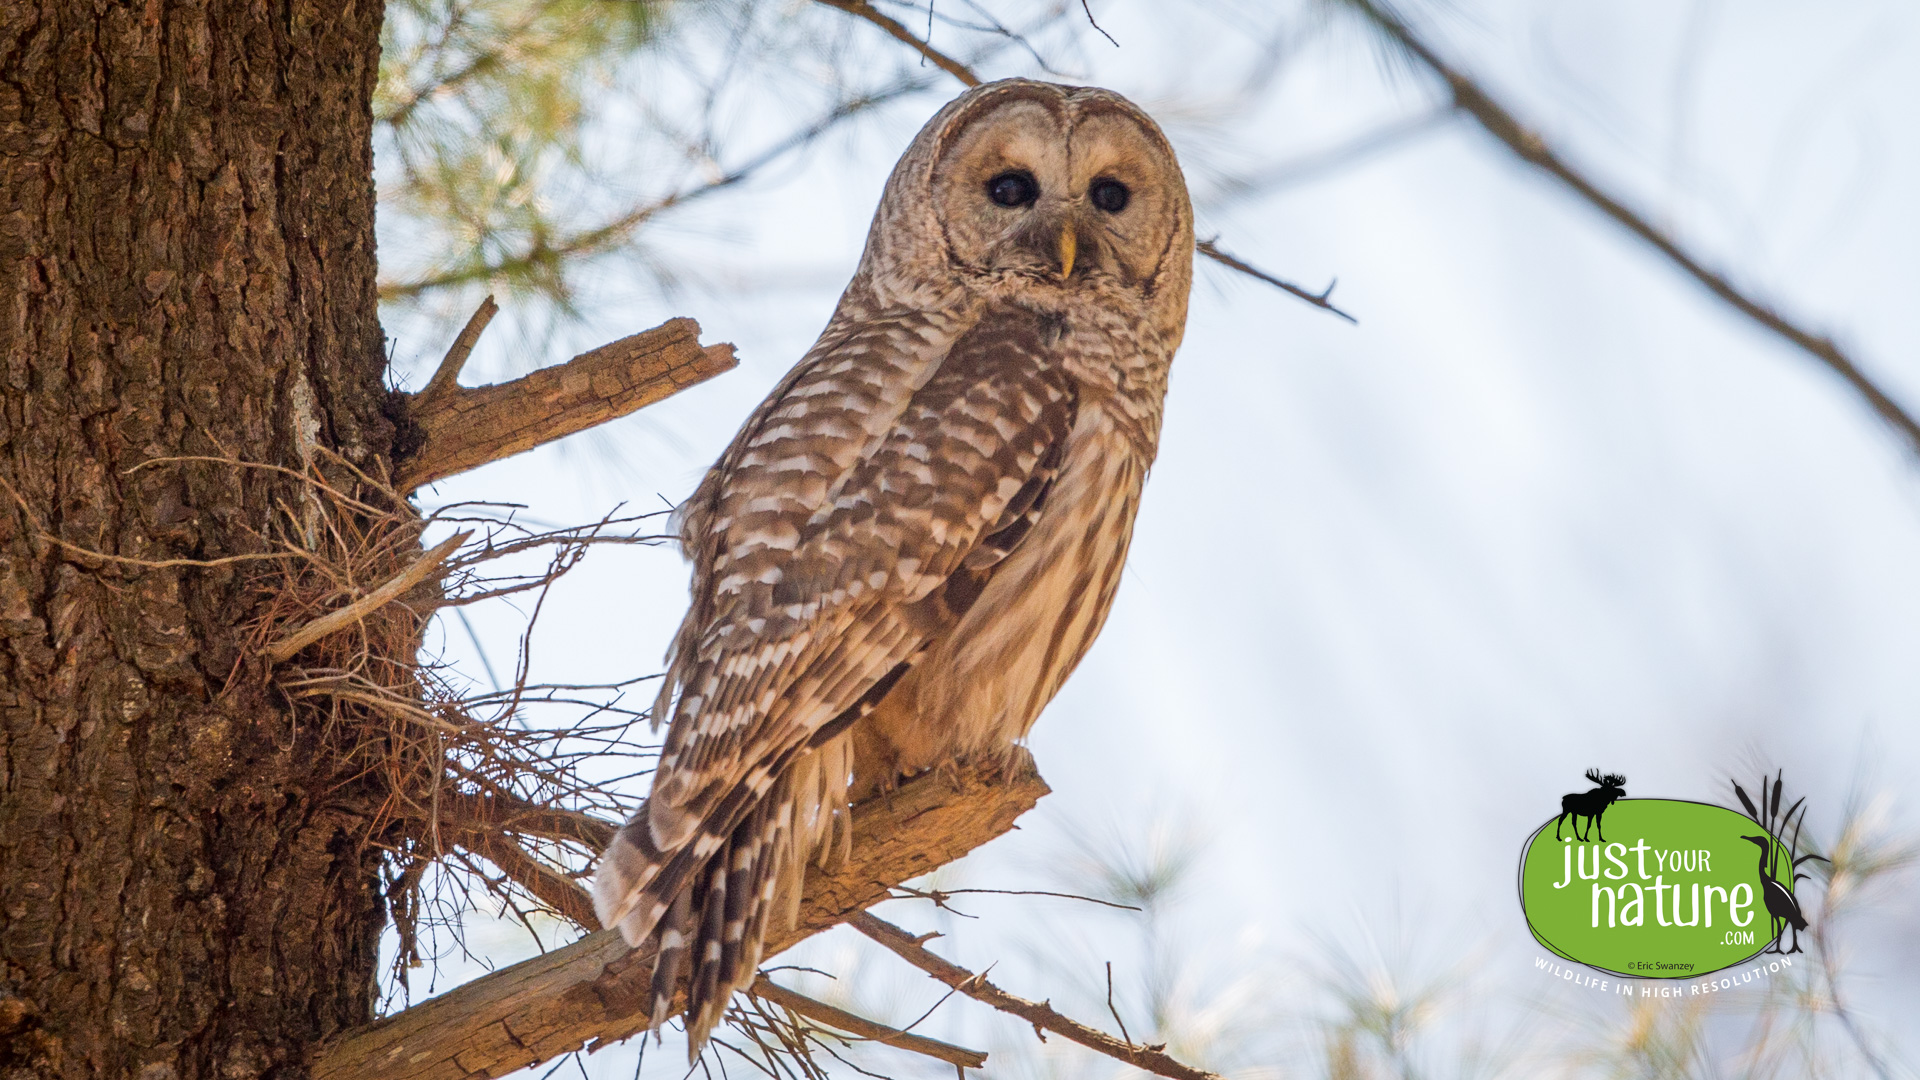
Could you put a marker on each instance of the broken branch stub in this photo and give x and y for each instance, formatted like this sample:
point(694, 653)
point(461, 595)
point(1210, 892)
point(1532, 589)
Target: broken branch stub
point(462, 429)
point(594, 991)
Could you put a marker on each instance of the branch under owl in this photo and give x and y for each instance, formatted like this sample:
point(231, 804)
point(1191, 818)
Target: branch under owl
point(594, 992)
point(566, 897)
point(457, 429)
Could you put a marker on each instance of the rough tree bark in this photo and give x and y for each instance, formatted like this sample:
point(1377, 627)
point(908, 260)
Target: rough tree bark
point(186, 268)
point(190, 876)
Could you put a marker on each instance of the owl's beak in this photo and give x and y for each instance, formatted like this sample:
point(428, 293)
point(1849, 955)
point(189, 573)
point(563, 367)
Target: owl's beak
point(1068, 246)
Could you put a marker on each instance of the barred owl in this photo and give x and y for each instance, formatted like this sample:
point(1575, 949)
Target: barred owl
point(916, 536)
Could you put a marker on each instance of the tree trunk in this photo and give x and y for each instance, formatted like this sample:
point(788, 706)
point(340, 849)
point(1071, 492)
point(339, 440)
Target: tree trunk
point(186, 268)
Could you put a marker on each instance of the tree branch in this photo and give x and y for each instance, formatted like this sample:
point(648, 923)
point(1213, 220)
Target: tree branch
point(283, 650)
point(1470, 98)
point(547, 885)
point(447, 376)
point(864, 10)
point(507, 813)
point(566, 897)
point(594, 991)
point(841, 1020)
point(463, 429)
point(1320, 299)
point(1152, 1057)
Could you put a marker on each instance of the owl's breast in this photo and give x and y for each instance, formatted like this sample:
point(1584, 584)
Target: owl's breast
point(983, 684)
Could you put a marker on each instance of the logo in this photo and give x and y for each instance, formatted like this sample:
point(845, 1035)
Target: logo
point(1680, 889)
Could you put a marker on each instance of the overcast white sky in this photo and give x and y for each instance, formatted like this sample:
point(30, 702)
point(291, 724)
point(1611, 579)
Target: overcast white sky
point(1396, 586)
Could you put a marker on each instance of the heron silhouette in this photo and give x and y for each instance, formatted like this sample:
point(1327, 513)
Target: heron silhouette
point(1781, 905)
point(1779, 899)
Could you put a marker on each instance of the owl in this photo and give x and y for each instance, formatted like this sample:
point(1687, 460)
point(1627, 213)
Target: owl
point(914, 539)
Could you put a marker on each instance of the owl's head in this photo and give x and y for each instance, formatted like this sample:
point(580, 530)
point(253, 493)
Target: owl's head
point(1061, 188)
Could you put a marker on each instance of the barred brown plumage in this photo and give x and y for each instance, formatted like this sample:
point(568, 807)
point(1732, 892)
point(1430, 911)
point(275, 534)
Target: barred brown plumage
point(916, 536)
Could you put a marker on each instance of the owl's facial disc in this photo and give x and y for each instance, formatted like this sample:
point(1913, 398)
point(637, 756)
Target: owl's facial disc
point(1059, 188)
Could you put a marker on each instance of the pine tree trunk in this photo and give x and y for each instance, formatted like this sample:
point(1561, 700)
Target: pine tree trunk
point(186, 268)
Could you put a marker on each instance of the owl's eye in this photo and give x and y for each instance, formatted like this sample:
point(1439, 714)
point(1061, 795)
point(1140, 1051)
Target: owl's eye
point(1013, 189)
point(1109, 195)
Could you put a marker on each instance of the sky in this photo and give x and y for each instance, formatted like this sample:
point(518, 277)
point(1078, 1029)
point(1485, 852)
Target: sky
point(1549, 506)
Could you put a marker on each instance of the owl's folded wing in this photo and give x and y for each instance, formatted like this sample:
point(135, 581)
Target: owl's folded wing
point(831, 599)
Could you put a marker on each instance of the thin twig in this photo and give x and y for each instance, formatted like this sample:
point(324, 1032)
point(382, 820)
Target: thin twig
point(1319, 299)
point(285, 649)
point(1114, 1011)
point(940, 896)
point(1471, 98)
point(502, 810)
point(863, 10)
point(1084, 7)
point(125, 560)
point(307, 477)
point(1040, 1014)
point(821, 1012)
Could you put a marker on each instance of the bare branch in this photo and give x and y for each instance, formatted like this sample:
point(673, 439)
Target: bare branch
point(1112, 1009)
point(463, 429)
point(1470, 98)
point(1152, 1057)
point(863, 10)
point(594, 991)
point(544, 883)
point(1319, 299)
point(283, 650)
point(1084, 6)
point(941, 896)
point(500, 811)
point(841, 1020)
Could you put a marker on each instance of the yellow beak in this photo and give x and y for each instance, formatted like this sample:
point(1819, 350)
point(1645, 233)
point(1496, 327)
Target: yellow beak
point(1068, 246)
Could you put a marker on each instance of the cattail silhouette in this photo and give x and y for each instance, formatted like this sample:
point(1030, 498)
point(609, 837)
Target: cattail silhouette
point(1777, 896)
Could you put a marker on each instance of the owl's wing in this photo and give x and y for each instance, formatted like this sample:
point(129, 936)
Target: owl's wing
point(816, 601)
point(843, 534)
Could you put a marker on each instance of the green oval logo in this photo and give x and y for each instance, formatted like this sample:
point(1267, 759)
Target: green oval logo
point(1657, 888)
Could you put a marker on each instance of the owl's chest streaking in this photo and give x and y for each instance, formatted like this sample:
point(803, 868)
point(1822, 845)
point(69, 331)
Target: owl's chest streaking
point(983, 683)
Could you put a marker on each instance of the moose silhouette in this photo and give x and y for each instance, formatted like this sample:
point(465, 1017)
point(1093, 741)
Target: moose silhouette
point(1591, 804)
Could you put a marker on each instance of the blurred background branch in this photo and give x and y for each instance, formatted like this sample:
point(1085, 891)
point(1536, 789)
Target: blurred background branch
point(1473, 99)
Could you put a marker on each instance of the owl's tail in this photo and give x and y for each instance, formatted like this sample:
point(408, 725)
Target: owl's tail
point(708, 904)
